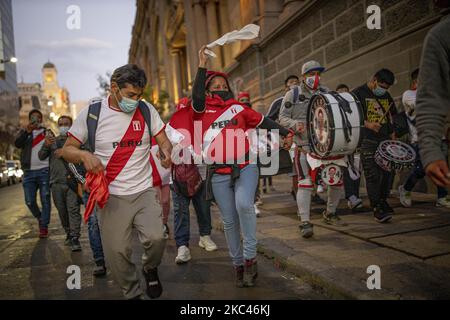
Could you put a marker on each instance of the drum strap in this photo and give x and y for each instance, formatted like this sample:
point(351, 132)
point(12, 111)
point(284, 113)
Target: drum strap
point(344, 108)
point(296, 94)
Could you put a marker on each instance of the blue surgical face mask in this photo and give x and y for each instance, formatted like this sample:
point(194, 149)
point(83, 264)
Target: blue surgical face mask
point(378, 91)
point(127, 105)
point(63, 130)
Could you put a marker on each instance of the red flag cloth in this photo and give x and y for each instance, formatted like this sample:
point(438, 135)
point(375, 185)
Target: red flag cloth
point(98, 185)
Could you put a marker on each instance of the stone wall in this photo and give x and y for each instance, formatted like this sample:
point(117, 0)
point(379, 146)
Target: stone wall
point(335, 34)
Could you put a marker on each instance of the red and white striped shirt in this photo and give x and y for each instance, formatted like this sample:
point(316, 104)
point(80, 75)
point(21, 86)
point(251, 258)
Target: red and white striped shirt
point(122, 143)
point(220, 130)
point(38, 142)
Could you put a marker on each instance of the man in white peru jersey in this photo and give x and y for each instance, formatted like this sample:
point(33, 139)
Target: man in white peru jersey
point(121, 152)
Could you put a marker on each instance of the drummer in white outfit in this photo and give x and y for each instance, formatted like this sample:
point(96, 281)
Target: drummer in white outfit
point(293, 115)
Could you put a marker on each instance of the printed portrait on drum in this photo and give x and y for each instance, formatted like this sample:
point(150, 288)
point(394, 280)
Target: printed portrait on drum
point(375, 111)
point(321, 125)
point(332, 174)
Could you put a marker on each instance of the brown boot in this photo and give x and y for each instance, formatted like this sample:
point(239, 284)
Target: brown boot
point(239, 276)
point(250, 272)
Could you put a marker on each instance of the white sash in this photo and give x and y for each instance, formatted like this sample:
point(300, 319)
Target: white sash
point(212, 133)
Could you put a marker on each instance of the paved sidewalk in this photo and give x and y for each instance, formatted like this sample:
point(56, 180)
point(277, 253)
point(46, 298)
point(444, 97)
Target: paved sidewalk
point(412, 251)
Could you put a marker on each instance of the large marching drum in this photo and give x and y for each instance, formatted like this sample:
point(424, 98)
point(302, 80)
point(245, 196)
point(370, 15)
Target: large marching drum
point(334, 124)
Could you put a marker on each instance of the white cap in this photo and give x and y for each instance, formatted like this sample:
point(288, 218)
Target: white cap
point(312, 66)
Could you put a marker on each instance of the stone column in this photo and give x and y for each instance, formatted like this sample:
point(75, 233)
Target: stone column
point(177, 86)
point(225, 27)
point(191, 42)
point(201, 29)
point(165, 50)
point(153, 58)
point(213, 33)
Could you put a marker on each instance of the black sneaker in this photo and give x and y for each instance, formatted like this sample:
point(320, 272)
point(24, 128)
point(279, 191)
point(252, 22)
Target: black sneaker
point(68, 241)
point(99, 269)
point(307, 229)
point(76, 246)
point(380, 215)
point(386, 206)
point(154, 287)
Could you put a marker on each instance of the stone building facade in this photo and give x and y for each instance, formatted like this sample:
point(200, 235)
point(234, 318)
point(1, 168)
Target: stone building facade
point(56, 98)
point(168, 34)
point(31, 97)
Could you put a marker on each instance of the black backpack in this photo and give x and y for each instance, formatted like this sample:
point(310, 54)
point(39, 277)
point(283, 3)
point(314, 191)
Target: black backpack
point(92, 121)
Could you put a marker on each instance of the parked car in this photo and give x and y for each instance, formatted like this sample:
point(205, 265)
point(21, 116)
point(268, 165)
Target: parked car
point(3, 174)
point(14, 171)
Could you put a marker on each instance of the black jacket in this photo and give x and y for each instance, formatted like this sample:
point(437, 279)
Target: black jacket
point(24, 141)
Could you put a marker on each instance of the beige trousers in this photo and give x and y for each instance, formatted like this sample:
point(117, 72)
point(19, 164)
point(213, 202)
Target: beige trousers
point(116, 220)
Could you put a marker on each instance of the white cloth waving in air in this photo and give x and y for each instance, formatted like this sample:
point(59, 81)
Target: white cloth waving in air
point(249, 32)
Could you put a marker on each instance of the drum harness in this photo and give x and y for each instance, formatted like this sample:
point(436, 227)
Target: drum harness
point(344, 108)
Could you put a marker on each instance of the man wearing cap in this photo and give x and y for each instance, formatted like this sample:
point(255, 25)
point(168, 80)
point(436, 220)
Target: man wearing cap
point(293, 115)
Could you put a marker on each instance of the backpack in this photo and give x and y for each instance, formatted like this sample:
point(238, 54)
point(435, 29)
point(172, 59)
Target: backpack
point(92, 121)
point(186, 179)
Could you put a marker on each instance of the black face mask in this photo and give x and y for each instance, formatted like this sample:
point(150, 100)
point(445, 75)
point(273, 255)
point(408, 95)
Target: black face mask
point(248, 104)
point(225, 95)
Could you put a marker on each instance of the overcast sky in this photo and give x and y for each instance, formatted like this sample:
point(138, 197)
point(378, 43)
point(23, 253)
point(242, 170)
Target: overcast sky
point(100, 45)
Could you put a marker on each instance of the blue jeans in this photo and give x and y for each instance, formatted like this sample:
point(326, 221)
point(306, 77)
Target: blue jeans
point(181, 215)
point(32, 181)
point(419, 173)
point(95, 240)
point(238, 213)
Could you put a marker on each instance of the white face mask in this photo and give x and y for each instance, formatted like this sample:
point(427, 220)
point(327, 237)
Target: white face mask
point(312, 82)
point(63, 130)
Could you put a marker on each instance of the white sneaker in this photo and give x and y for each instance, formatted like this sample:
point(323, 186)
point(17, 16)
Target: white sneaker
point(184, 255)
point(405, 197)
point(443, 202)
point(207, 244)
point(257, 212)
point(356, 205)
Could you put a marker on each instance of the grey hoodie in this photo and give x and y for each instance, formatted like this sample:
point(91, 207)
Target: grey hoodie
point(294, 112)
point(433, 94)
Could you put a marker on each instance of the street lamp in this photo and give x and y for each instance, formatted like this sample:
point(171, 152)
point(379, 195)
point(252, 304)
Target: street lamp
point(12, 59)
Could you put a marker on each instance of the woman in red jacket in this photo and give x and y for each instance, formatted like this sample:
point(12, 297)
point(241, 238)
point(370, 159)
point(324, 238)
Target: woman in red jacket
point(232, 175)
